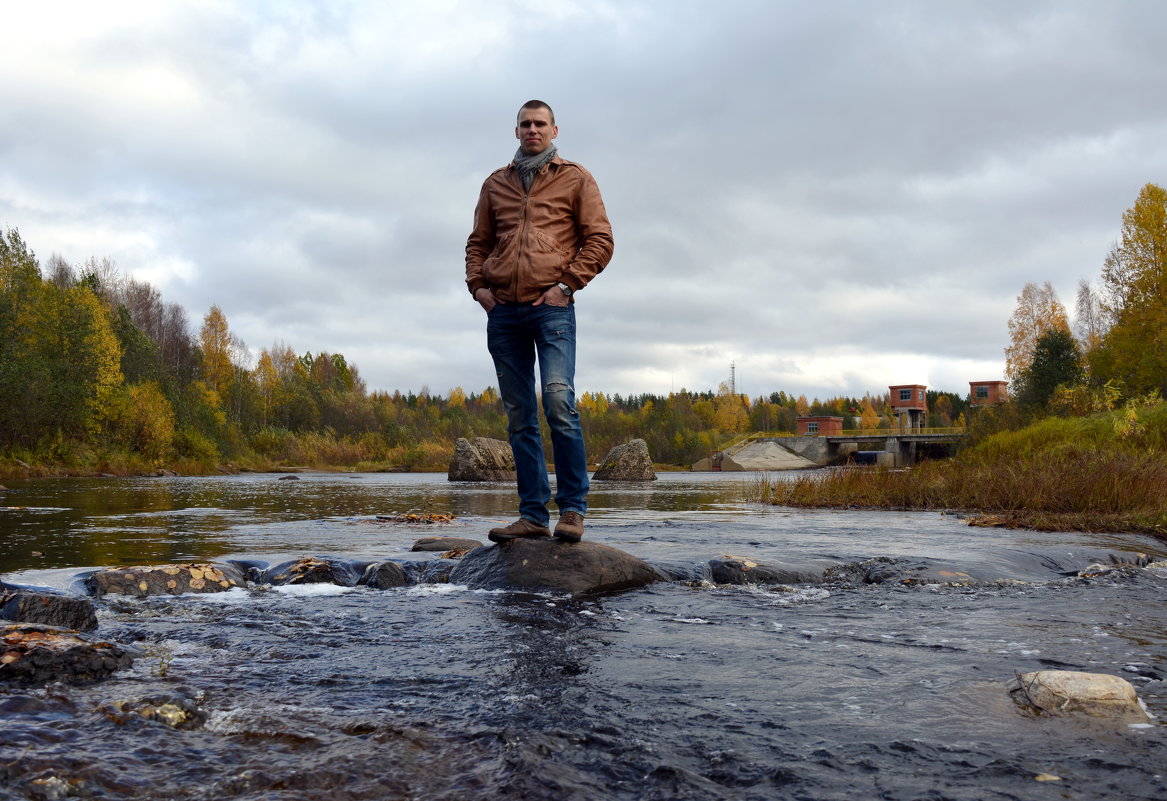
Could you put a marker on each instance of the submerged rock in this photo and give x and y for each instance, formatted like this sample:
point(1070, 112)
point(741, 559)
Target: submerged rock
point(49, 608)
point(544, 564)
point(482, 459)
point(1064, 693)
point(175, 711)
point(199, 577)
point(36, 654)
point(445, 544)
point(311, 570)
point(885, 570)
point(384, 576)
point(735, 570)
point(627, 462)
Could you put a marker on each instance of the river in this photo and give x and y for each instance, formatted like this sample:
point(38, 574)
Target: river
point(682, 690)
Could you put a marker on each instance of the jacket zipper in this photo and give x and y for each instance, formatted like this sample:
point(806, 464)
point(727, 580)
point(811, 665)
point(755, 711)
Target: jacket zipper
point(523, 221)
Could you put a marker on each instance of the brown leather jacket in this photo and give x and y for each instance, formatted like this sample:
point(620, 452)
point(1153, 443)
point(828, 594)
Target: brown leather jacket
point(524, 243)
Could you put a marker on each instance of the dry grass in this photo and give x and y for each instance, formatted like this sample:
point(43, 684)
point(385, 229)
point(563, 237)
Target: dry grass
point(1102, 473)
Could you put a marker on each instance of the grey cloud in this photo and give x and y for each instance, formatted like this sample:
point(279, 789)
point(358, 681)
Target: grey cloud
point(788, 182)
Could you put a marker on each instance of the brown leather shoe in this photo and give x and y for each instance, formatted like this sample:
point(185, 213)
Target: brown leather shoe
point(570, 527)
point(517, 530)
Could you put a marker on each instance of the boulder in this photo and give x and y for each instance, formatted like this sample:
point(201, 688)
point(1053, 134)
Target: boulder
point(145, 581)
point(627, 462)
point(39, 654)
point(48, 608)
point(482, 459)
point(445, 544)
point(1064, 693)
point(310, 570)
point(545, 564)
point(737, 570)
point(384, 576)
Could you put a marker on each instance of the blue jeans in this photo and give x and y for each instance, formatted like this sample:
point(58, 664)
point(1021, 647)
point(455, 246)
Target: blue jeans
point(515, 334)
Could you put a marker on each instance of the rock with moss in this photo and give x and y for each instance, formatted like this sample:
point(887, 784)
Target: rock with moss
point(175, 579)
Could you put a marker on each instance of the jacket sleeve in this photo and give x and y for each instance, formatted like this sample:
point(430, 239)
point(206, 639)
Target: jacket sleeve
point(595, 235)
point(481, 242)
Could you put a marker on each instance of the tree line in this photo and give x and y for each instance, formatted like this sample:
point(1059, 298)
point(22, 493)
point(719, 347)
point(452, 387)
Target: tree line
point(1116, 349)
point(98, 372)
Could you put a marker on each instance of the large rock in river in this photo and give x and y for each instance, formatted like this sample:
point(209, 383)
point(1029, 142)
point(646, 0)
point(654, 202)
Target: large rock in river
point(482, 459)
point(200, 577)
point(627, 462)
point(37, 654)
point(311, 570)
point(1072, 693)
point(51, 609)
point(546, 565)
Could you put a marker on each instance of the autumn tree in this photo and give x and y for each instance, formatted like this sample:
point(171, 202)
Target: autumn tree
point(1133, 351)
point(1038, 311)
point(868, 417)
point(220, 350)
point(86, 360)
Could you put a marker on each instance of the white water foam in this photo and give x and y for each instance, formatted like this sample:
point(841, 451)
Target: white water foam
point(312, 590)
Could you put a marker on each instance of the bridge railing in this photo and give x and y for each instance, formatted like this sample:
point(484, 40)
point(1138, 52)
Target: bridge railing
point(899, 432)
point(739, 442)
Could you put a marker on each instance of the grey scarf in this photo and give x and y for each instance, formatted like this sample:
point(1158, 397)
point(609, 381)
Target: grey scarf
point(529, 165)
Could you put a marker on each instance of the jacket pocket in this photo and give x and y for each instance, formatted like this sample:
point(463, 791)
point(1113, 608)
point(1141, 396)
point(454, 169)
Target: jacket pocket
point(546, 258)
point(499, 266)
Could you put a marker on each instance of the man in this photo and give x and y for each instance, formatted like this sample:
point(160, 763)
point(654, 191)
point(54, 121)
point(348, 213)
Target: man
point(540, 235)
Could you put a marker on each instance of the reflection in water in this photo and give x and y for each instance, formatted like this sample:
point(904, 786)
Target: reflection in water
point(678, 691)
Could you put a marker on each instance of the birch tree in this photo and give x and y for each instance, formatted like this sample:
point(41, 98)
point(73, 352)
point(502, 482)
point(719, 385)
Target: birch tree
point(1038, 311)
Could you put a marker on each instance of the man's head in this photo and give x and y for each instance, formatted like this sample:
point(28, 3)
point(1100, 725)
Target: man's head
point(536, 127)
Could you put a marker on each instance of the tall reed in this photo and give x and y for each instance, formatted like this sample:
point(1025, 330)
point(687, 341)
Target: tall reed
point(1105, 472)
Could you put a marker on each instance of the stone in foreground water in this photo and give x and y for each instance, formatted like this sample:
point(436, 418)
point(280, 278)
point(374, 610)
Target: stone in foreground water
point(1065, 693)
point(52, 609)
point(32, 654)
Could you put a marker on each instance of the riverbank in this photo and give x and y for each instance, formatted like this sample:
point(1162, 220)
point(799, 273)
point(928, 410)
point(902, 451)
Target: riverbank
point(1102, 473)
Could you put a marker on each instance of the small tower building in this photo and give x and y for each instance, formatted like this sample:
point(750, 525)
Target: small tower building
point(987, 393)
point(909, 403)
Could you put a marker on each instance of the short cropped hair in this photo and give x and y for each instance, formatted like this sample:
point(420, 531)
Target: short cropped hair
point(533, 104)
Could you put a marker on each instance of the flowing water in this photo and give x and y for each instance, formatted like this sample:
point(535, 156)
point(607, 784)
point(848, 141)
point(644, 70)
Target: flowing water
point(682, 690)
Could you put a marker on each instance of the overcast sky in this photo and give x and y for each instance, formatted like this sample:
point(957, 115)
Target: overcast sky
point(835, 196)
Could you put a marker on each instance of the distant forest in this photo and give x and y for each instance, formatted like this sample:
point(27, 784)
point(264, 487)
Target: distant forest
point(99, 373)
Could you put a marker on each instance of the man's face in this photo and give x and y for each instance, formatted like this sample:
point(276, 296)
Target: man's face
point(535, 130)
